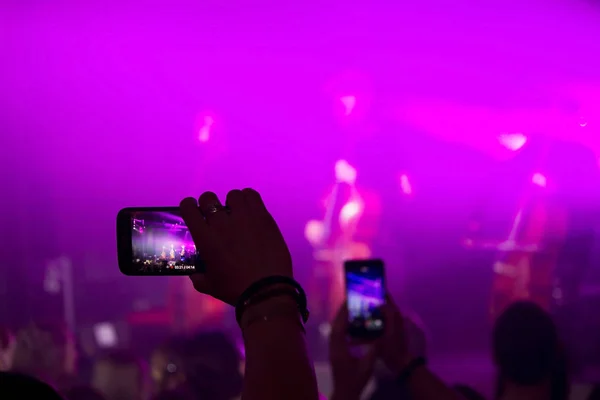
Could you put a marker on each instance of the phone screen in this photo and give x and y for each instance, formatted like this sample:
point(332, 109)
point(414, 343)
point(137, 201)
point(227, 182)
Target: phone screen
point(155, 242)
point(365, 291)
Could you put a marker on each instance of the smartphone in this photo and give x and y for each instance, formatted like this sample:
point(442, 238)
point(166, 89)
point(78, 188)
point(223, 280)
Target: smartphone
point(365, 294)
point(155, 241)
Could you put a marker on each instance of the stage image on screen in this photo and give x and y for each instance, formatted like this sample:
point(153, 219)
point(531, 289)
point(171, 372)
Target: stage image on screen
point(161, 243)
point(365, 297)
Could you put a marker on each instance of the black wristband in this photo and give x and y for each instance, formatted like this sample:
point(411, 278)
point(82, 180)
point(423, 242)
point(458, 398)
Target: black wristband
point(413, 365)
point(265, 295)
point(258, 286)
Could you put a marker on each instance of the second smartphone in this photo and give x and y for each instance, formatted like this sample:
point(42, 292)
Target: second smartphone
point(365, 293)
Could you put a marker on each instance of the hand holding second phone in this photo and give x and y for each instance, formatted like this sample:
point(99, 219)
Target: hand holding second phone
point(394, 342)
point(351, 372)
point(240, 243)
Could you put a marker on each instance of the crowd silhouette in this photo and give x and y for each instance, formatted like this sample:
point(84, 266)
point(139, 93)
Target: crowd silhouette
point(249, 267)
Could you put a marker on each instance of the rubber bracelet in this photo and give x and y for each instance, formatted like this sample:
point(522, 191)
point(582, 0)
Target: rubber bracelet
point(263, 296)
point(260, 285)
point(273, 315)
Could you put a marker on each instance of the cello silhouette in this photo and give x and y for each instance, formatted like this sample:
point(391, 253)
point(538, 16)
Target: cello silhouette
point(526, 262)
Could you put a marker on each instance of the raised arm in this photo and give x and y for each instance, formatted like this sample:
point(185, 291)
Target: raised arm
point(277, 362)
point(241, 245)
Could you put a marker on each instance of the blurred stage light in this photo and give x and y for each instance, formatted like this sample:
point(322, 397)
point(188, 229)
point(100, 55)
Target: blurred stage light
point(52, 279)
point(539, 179)
point(314, 232)
point(513, 141)
point(105, 334)
point(349, 103)
point(345, 172)
point(204, 133)
point(405, 184)
point(350, 211)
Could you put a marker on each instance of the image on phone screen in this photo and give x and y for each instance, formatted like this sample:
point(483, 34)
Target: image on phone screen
point(365, 292)
point(159, 243)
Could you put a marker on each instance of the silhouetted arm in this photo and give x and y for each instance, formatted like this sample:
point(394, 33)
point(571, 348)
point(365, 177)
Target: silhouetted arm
point(418, 379)
point(277, 362)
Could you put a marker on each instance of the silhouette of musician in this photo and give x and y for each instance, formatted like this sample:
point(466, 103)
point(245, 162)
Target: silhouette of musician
point(543, 244)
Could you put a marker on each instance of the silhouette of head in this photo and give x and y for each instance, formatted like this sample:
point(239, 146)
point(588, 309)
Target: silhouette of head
point(526, 345)
point(19, 386)
point(82, 393)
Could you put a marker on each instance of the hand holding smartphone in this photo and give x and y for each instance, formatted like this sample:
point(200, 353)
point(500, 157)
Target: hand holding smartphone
point(155, 241)
point(365, 294)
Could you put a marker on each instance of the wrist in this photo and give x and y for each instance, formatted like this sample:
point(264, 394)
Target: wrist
point(267, 289)
point(274, 312)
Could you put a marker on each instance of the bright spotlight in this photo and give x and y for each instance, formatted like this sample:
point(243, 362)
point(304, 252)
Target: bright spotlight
point(350, 211)
point(345, 172)
point(204, 133)
point(105, 334)
point(539, 179)
point(405, 185)
point(513, 141)
point(314, 232)
point(349, 103)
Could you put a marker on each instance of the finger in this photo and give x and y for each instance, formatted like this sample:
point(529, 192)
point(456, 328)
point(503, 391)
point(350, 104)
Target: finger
point(193, 219)
point(390, 306)
point(200, 283)
point(340, 322)
point(388, 314)
point(338, 342)
point(389, 300)
point(258, 211)
point(371, 354)
point(367, 362)
point(253, 200)
point(392, 315)
point(211, 208)
point(235, 201)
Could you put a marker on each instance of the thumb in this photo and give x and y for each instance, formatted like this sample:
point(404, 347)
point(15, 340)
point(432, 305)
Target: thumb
point(370, 357)
point(339, 326)
point(390, 310)
point(367, 363)
point(200, 283)
point(338, 344)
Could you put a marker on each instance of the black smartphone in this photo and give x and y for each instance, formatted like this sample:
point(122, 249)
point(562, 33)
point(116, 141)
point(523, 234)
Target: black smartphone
point(155, 241)
point(365, 294)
